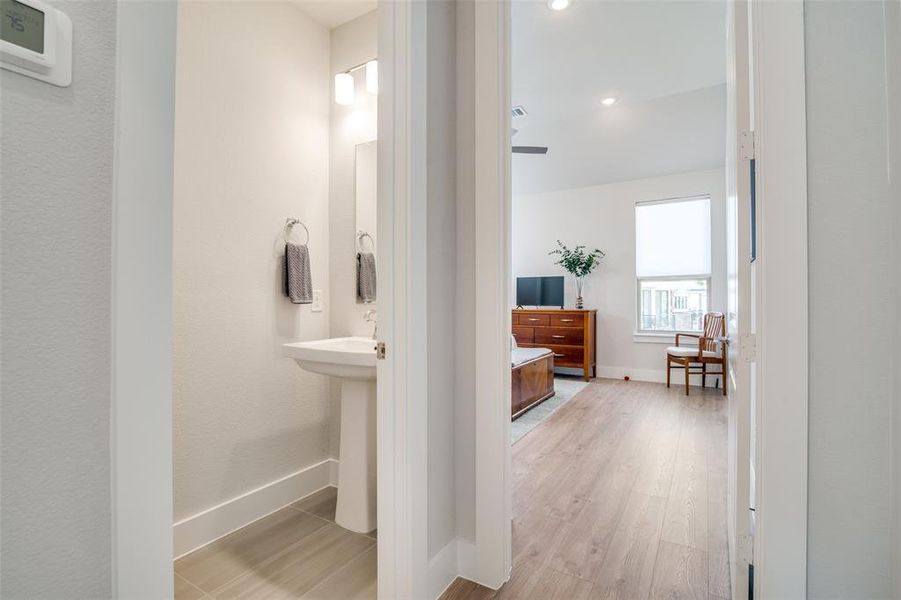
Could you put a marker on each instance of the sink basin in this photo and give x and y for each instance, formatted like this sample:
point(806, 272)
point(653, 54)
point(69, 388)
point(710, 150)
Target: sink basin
point(352, 360)
point(346, 357)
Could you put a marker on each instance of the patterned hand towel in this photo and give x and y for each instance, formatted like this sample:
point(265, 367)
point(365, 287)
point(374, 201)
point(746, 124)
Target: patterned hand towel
point(366, 277)
point(298, 283)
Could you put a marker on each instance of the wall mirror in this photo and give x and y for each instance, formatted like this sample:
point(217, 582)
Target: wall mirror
point(366, 196)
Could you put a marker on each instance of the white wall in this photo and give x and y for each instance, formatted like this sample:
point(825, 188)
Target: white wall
point(57, 176)
point(604, 217)
point(852, 230)
point(252, 133)
point(353, 43)
point(893, 73)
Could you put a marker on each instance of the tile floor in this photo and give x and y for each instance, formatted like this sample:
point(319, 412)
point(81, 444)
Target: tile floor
point(296, 552)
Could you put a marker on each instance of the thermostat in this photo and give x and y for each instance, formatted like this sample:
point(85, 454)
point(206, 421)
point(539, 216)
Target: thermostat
point(36, 40)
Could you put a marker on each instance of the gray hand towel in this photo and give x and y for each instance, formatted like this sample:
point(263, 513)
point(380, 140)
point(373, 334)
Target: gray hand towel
point(366, 277)
point(298, 283)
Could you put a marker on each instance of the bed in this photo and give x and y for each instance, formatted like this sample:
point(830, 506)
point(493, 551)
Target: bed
point(533, 378)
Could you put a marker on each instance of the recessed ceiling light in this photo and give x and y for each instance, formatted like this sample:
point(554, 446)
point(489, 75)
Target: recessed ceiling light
point(559, 4)
point(608, 101)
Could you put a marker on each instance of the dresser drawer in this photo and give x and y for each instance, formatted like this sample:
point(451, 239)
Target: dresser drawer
point(568, 336)
point(566, 355)
point(533, 320)
point(523, 335)
point(567, 320)
point(515, 319)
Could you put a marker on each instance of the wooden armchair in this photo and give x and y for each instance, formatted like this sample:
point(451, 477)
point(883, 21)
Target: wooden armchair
point(711, 349)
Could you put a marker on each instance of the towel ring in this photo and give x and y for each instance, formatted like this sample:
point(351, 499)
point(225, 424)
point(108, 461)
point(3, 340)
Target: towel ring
point(291, 222)
point(360, 236)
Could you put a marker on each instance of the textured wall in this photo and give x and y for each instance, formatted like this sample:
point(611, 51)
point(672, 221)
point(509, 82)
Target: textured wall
point(607, 221)
point(57, 169)
point(251, 147)
point(851, 236)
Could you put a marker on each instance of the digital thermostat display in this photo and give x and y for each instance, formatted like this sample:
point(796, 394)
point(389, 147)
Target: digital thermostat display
point(22, 25)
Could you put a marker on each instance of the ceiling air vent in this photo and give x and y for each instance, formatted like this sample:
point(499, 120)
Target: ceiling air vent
point(519, 111)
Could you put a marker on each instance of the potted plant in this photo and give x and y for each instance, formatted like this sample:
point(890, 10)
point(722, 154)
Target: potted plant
point(578, 262)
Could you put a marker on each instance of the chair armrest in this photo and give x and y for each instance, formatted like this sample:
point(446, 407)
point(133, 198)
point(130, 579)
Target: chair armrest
point(691, 335)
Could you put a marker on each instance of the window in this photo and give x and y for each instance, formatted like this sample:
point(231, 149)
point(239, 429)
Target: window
point(672, 263)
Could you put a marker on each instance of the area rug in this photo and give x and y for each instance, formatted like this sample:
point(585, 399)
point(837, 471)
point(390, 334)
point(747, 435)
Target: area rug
point(565, 388)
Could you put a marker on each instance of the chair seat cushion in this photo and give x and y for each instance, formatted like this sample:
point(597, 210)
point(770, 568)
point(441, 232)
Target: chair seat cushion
point(683, 351)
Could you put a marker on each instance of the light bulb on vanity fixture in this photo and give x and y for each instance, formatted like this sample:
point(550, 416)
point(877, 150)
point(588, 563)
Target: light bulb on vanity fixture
point(372, 77)
point(559, 4)
point(344, 89)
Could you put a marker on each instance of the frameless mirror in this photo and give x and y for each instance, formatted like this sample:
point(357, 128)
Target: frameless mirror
point(366, 196)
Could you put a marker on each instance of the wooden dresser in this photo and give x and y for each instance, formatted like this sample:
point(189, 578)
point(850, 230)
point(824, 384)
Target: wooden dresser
point(569, 333)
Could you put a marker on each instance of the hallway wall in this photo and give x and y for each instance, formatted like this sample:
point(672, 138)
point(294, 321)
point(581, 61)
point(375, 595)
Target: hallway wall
point(852, 212)
point(55, 244)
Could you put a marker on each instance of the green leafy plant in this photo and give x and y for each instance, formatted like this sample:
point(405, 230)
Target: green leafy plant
point(578, 262)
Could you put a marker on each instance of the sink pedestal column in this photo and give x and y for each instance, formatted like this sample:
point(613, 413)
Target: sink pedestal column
point(357, 467)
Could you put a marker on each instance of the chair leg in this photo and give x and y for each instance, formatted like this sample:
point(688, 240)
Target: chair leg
point(668, 368)
point(723, 369)
point(703, 375)
point(687, 369)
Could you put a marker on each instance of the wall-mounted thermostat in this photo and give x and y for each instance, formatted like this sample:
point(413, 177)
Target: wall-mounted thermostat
point(36, 40)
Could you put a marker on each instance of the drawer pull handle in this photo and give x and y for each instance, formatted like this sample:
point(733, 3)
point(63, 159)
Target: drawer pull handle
point(558, 337)
point(534, 320)
point(559, 355)
point(566, 320)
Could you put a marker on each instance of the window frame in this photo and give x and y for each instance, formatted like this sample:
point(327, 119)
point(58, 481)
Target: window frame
point(708, 277)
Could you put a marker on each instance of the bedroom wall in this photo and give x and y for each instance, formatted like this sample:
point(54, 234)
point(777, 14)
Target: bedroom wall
point(604, 217)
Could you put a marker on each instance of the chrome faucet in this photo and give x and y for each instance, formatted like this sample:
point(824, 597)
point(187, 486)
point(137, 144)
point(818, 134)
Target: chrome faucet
point(370, 316)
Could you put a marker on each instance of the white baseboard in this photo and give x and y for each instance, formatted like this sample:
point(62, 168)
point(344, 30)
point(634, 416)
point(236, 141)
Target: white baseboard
point(442, 570)
point(466, 560)
point(213, 523)
point(653, 375)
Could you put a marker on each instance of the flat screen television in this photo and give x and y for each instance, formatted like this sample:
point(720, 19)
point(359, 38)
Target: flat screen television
point(539, 291)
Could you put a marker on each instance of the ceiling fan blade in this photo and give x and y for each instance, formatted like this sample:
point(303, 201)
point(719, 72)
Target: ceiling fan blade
point(530, 149)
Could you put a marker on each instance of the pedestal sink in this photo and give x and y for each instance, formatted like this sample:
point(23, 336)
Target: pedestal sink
point(352, 360)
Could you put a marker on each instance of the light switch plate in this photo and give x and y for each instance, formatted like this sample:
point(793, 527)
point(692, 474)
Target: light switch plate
point(317, 301)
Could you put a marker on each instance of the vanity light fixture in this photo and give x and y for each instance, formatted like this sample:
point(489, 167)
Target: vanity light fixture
point(559, 4)
point(609, 101)
point(344, 82)
point(344, 89)
point(372, 77)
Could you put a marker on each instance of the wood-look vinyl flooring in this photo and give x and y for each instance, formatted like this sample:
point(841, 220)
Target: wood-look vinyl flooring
point(297, 552)
point(620, 494)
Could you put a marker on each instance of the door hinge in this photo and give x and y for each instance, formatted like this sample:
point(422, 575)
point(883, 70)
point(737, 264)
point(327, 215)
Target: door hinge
point(747, 348)
point(747, 145)
point(380, 350)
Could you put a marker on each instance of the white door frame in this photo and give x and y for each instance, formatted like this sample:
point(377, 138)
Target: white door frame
point(141, 290)
point(780, 123)
point(493, 280)
point(141, 403)
point(402, 381)
point(778, 85)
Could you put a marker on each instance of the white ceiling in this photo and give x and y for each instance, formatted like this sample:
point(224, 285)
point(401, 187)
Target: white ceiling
point(333, 13)
point(663, 60)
